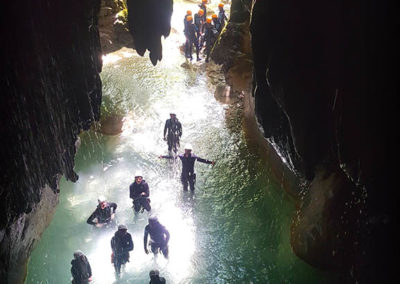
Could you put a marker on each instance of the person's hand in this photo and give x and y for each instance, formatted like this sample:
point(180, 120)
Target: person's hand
point(99, 225)
point(146, 250)
point(112, 216)
point(160, 157)
point(213, 163)
point(143, 193)
point(90, 279)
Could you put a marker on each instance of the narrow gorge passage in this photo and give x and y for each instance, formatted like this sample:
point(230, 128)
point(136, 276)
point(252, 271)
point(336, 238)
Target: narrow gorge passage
point(235, 228)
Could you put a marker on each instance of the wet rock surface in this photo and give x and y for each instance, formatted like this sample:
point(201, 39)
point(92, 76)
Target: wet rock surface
point(51, 90)
point(323, 92)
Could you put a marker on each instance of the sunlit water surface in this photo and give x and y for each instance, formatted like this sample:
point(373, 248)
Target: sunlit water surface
point(234, 229)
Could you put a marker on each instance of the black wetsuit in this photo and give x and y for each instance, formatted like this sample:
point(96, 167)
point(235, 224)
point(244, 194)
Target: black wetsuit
point(198, 25)
point(173, 130)
point(159, 237)
point(188, 175)
point(139, 200)
point(103, 215)
point(210, 36)
point(221, 18)
point(81, 270)
point(190, 33)
point(155, 279)
point(121, 245)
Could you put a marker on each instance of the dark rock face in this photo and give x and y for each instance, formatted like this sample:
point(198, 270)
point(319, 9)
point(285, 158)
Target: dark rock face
point(148, 21)
point(50, 91)
point(324, 89)
point(233, 43)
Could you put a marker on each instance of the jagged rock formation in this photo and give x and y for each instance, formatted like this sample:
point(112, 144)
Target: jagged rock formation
point(324, 87)
point(50, 91)
point(148, 21)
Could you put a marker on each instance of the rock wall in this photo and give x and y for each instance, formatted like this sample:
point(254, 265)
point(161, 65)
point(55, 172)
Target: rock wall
point(324, 91)
point(148, 21)
point(50, 91)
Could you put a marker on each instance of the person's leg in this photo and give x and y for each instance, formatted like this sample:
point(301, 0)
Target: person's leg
point(136, 205)
point(154, 248)
point(146, 204)
point(191, 182)
point(184, 181)
point(164, 251)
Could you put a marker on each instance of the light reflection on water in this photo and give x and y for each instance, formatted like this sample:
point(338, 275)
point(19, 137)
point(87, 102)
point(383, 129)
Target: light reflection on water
point(234, 229)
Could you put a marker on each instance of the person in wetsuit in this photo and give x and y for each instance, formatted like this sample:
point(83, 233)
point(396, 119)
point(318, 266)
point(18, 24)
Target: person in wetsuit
point(221, 15)
point(104, 213)
point(121, 245)
point(190, 34)
point(159, 237)
point(80, 270)
point(198, 24)
point(188, 159)
point(188, 13)
point(172, 132)
point(216, 23)
point(210, 36)
point(155, 277)
point(139, 192)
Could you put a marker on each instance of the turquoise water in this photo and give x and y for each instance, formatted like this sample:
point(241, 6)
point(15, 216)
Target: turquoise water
point(235, 228)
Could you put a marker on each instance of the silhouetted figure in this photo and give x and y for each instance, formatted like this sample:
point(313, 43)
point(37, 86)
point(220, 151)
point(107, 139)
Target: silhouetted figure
point(172, 132)
point(221, 15)
point(210, 36)
point(104, 213)
point(121, 245)
point(159, 237)
point(139, 192)
point(188, 159)
point(190, 34)
point(80, 270)
point(155, 277)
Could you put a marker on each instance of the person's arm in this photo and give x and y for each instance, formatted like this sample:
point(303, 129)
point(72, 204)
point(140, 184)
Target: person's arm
point(146, 190)
point(74, 273)
point(130, 243)
point(166, 157)
point(131, 191)
point(91, 218)
point(113, 244)
point(166, 236)
point(226, 18)
point(89, 269)
point(179, 129)
point(166, 123)
point(113, 205)
point(204, 161)
point(146, 234)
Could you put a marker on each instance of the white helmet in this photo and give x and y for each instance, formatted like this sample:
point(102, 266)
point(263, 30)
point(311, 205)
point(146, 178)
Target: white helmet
point(172, 112)
point(188, 146)
point(101, 199)
point(122, 227)
point(138, 174)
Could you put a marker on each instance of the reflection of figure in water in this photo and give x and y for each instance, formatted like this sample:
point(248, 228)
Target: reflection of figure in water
point(172, 132)
point(104, 213)
point(188, 176)
point(121, 245)
point(159, 237)
point(80, 270)
point(139, 192)
point(155, 277)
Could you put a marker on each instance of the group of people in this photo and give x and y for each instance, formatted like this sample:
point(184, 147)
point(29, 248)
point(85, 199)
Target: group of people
point(201, 30)
point(156, 236)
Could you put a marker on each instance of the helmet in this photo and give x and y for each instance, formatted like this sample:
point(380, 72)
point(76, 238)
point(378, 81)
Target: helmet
point(201, 12)
point(122, 227)
point(138, 174)
point(78, 253)
point(188, 12)
point(172, 112)
point(153, 219)
point(208, 20)
point(101, 199)
point(189, 18)
point(154, 272)
point(214, 16)
point(220, 5)
point(188, 147)
point(204, 1)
